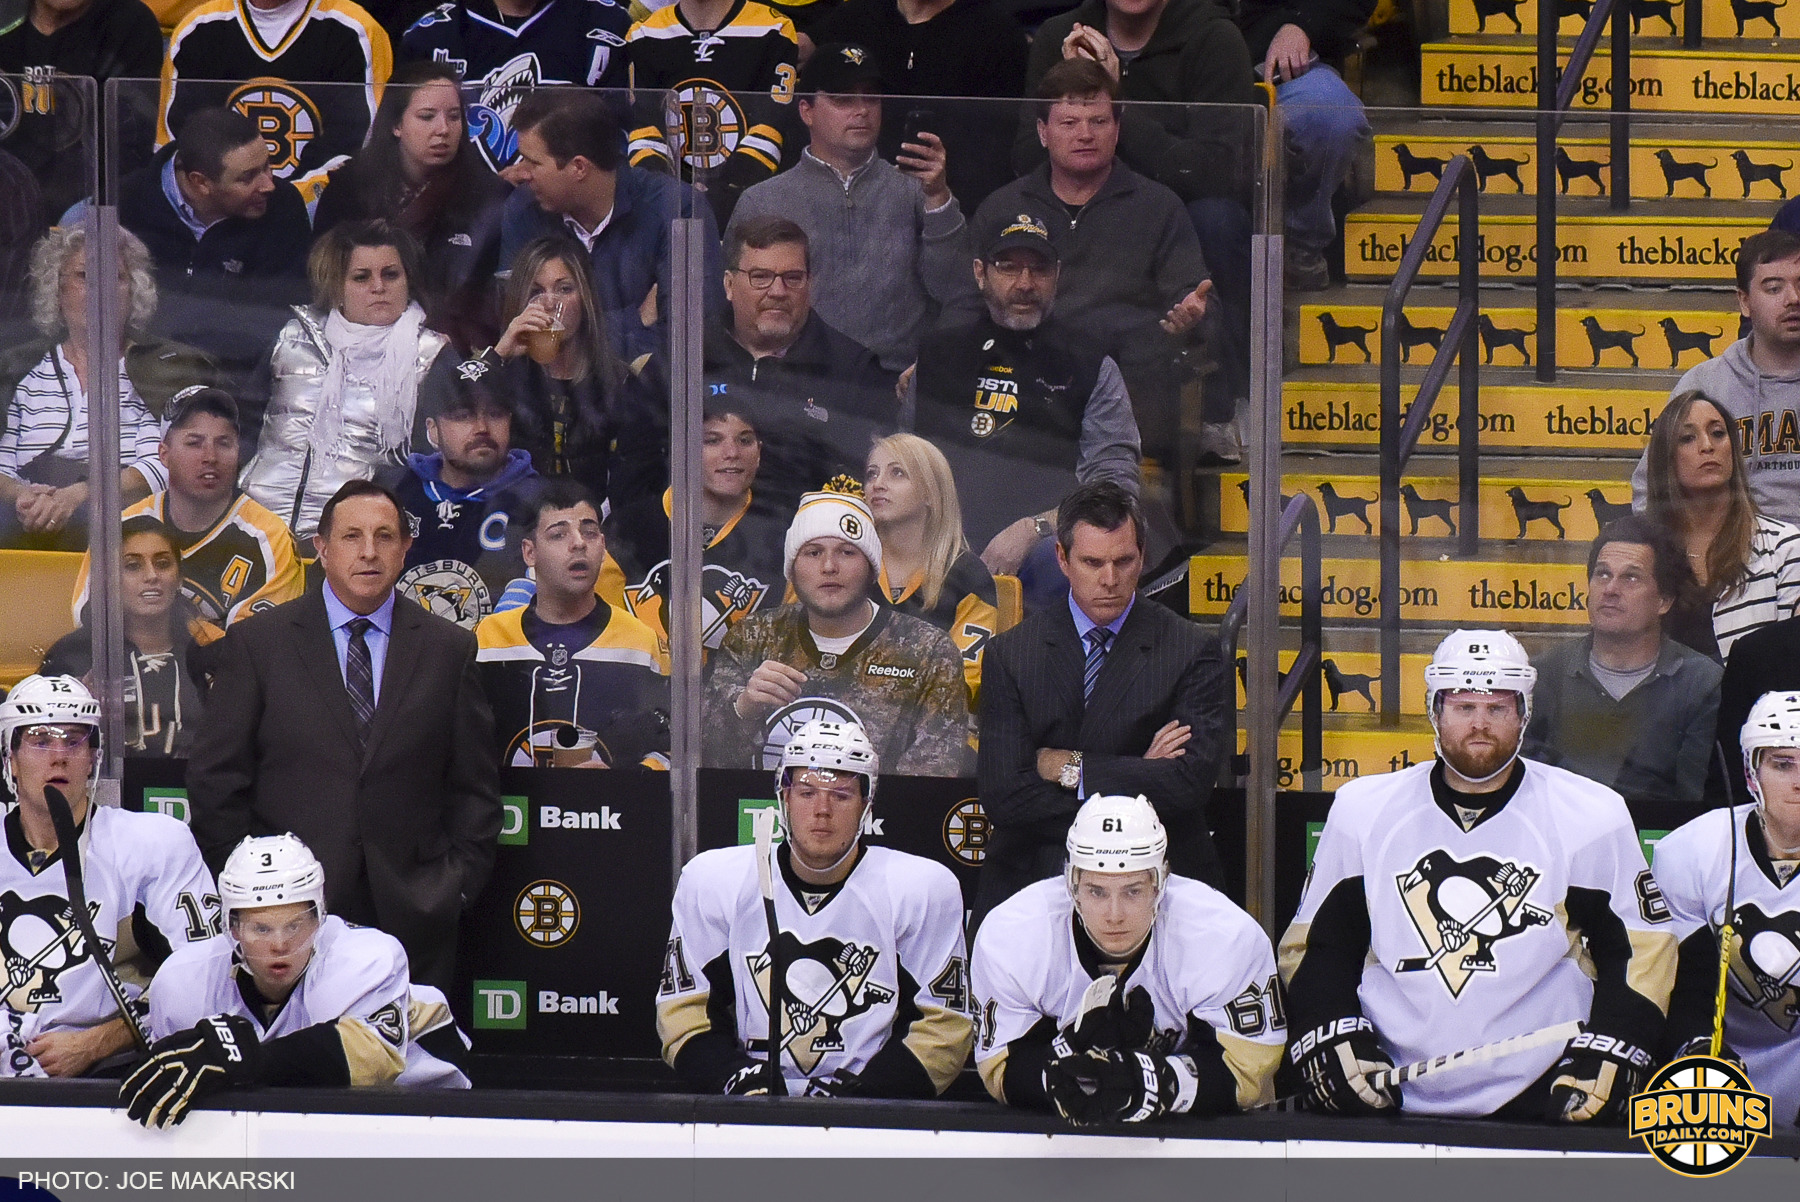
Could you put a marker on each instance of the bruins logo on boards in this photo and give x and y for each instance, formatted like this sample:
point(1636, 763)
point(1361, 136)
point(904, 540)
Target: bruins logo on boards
point(1765, 962)
point(286, 118)
point(826, 983)
point(1461, 909)
point(39, 941)
point(966, 832)
point(1700, 1116)
point(547, 914)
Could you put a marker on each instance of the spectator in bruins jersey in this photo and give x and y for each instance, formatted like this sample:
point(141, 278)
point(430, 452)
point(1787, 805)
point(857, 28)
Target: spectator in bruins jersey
point(570, 182)
point(346, 374)
point(927, 568)
point(313, 70)
point(741, 537)
point(574, 682)
point(711, 81)
point(165, 679)
point(237, 558)
point(462, 497)
point(836, 654)
point(419, 172)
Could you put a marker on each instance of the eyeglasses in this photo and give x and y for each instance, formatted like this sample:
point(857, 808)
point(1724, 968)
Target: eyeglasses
point(48, 739)
point(1012, 269)
point(762, 279)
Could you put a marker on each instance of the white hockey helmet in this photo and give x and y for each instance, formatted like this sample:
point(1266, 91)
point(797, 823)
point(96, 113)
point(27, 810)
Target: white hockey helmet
point(47, 701)
point(270, 870)
point(839, 746)
point(1116, 835)
point(1480, 661)
point(1774, 721)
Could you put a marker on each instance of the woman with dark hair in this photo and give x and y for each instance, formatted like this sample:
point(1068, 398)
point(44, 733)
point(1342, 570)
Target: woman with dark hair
point(418, 171)
point(346, 374)
point(1747, 565)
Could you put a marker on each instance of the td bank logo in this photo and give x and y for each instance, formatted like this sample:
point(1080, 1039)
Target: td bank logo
point(515, 821)
point(502, 1005)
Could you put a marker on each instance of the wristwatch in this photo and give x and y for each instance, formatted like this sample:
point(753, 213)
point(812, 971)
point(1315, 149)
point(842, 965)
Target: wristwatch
point(1043, 526)
point(1070, 776)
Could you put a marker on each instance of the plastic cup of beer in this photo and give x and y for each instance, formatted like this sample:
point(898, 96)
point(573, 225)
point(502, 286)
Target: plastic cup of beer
point(545, 345)
point(574, 747)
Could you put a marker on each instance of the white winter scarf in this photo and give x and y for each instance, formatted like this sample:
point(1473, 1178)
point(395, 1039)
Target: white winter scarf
point(386, 358)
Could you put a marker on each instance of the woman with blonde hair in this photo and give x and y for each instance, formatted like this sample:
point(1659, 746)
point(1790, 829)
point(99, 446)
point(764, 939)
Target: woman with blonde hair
point(1747, 565)
point(927, 568)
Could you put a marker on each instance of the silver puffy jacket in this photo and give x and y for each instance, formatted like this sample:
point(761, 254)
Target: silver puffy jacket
point(290, 476)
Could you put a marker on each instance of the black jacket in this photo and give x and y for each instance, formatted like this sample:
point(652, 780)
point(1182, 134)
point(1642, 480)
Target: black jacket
point(1767, 660)
point(1331, 25)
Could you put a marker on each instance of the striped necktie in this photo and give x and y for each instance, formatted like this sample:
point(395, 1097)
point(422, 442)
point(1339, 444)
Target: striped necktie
point(1097, 641)
point(359, 678)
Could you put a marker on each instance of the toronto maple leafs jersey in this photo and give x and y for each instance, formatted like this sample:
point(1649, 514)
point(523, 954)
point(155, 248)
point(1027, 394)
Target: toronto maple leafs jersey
point(1449, 927)
point(1693, 866)
point(356, 983)
point(1207, 966)
point(148, 892)
point(875, 973)
point(502, 59)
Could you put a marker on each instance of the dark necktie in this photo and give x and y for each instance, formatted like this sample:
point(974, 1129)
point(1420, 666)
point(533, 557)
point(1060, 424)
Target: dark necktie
point(359, 678)
point(1097, 640)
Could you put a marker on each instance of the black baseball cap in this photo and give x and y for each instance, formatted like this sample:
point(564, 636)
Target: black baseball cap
point(840, 67)
point(1018, 231)
point(472, 382)
point(200, 398)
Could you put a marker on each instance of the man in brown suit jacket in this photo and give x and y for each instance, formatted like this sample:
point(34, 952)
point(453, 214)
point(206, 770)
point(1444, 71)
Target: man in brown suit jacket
point(356, 720)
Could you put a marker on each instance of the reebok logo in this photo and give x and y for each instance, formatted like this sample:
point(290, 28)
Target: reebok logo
point(892, 671)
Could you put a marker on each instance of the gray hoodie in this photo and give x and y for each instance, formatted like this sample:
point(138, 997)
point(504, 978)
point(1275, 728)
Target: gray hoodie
point(1767, 412)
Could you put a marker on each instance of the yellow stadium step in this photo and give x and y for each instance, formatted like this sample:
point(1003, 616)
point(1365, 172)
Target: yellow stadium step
point(1650, 18)
point(1667, 240)
point(1665, 162)
point(1730, 76)
point(1657, 329)
point(37, 586)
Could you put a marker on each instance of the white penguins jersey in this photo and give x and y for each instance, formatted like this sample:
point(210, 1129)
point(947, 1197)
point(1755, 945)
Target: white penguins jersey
point(1206, 962)
point(357, 981)
point(1447, 928)
point(875, 973)
point(148, 892)
point(1693, 866)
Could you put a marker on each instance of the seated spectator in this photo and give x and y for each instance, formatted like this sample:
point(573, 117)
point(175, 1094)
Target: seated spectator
point(574, 682)
point(741, 537)
point(44, 444)
point(1627, 706)
point(1300, 46)
point(835, 653)
point(818, 398)
point(505, 49)
point(165, 684)
point(1070, 417)
point(327, 59)
point(570, 182)
point(1132, 275)
point(236, 557)
point(1756, 382)
point(936, 48)
point(1767, 660)
point(359, 1021)
point(887, 244)
point(1748, 565)
point(463, 497)
point(927, 568)
point(346, 374)
point(419, 172)
point(729, 66)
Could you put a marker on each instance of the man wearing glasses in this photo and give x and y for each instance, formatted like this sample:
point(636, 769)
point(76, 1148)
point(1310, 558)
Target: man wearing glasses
point(818, 397)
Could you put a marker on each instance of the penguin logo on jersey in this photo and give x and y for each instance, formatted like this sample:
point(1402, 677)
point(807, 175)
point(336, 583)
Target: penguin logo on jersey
point(1765, 962)
point(791, 717)
point(726, 598)
point(1462, 909)
point(703, 122)
point(39, 941)
point(490, 113)
point(450, 589)
point(286, 117)
point(826, 984)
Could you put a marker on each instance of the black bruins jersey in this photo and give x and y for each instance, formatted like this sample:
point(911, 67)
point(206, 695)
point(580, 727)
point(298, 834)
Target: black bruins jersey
point(708, 100)
point(967, 610)
point(741, 569)
point(337, 48)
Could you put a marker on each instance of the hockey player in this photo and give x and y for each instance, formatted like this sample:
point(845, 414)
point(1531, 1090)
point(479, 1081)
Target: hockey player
point(1093, 994)
point(868, 945)
point(147, 889)
point(1700, 871)
point(1471, 899)
point(287, 996)
point(837, 654)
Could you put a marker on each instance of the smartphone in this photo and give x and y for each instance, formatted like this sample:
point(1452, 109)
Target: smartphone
point(918, 121)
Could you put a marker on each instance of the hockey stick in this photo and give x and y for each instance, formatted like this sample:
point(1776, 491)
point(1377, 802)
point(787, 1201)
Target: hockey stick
point(1479, 1054)
point(1420, 963)
point(68, 841)
point(1726, 930)
point(764, 822)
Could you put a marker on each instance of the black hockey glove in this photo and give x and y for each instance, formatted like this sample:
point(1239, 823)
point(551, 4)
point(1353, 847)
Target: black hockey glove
point(1334, 1063)
point(221, 1052)
point(750, 1081)
point(841, 1084)
point(1595, 1079)
point(1119, 1087)
point(1109, 1020)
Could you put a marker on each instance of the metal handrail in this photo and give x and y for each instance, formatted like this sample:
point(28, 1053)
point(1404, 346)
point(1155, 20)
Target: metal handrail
point(1398, 441)
point(1556, 92)
point(1302, 681)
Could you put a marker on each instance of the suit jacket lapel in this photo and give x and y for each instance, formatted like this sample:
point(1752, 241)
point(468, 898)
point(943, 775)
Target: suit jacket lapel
point(318, 651)
point(1063, 660)
point(1124, 662)
point(397, 669)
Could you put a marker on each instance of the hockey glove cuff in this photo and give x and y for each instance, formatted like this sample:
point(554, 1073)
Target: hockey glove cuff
point(1109, 1020)
point(840, 1084)
point(1334, 1063)
point(221, 1052)
point(1701, 1045)
point(1120, 1087)
point(749, 1080)
point(1595, 1078)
